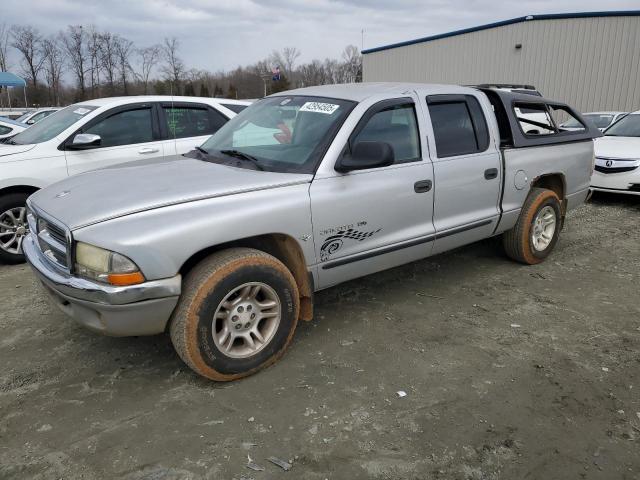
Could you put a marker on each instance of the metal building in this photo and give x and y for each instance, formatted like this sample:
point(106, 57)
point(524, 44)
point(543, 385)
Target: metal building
point(588, 60)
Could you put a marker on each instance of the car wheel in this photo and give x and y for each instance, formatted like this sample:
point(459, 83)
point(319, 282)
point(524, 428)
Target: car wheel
point(13, 227)
point(537, 230)
point(237, 314)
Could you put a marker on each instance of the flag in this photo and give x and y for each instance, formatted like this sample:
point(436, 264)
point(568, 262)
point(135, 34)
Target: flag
point(276, 73)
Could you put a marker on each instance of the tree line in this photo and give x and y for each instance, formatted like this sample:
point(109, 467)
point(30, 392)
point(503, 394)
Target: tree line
point(83, 62)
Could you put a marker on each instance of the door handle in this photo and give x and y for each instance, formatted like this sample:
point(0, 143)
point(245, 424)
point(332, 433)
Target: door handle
point(148, 150)
point(491, 173)
point(422, 186)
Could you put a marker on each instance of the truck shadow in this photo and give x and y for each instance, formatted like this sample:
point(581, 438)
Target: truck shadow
point(620, 200)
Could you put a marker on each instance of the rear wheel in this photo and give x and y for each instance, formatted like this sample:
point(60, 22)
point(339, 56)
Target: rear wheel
point(237, 314)
point(13, 227)
point(537, 230)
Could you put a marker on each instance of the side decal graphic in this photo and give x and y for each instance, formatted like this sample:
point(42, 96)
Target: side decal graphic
point(333, 243)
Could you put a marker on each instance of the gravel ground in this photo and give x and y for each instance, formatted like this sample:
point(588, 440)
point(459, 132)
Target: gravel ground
point(510, 372)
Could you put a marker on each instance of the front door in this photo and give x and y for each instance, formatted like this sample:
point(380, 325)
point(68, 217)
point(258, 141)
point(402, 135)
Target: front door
point(369, 220)
point(467, 171)
point(126, 134)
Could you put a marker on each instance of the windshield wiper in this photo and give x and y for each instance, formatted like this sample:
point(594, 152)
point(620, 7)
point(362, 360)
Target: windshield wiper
point(243, 156)
point(202, 150)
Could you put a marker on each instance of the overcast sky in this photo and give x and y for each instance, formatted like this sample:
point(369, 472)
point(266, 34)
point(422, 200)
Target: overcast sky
point(222, 34)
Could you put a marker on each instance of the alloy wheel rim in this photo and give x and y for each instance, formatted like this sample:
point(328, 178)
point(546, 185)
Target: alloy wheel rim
point(544, 227)
point(13, 229)
point(246, 320)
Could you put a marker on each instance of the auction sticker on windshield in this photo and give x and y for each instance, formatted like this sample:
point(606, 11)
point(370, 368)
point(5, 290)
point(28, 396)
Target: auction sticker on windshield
point(319, 107)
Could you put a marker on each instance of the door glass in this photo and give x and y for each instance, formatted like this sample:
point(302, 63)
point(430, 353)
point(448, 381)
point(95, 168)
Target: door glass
point(183, 122)
point(453, 129)
point(4, 130)
point(534, 119)
point(124, 128)
point(396, 126)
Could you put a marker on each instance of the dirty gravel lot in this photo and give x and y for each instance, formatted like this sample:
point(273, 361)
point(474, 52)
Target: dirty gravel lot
point(511, 372)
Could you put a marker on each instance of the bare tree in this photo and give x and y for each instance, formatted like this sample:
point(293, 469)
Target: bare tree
point(94, 38)
point(4, 48)
point(289, 56)
point(74, 44)
point(149, 57)
point(312, 74)
point(28, 42)
point(53, 67)
point(4, 53)
point(352, 64)
point(109, 59)
point(124, 49)
point(173, 67)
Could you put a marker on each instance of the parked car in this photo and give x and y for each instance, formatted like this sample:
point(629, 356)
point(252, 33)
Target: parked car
point(602, 120)
point(36, 115)
point(220, 249)
point(96, 134)
point(618, 157)
point(9, 128)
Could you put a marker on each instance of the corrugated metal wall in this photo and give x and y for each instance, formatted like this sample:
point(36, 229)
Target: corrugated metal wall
point(590, 63)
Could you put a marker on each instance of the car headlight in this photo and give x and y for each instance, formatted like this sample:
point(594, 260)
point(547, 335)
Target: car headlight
point(105, 266)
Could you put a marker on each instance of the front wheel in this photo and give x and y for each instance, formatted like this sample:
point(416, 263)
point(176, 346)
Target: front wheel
point(537, 230)
point(237, 314)
point(13, 227)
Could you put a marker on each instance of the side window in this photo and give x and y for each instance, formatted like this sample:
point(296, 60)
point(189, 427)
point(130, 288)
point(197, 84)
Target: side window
point(38, 116)
point(563, 117)
point(4, 130)
point(124, 128)
point(459, 126)
point(183, 121)
point(396, 126)
point(534, 119)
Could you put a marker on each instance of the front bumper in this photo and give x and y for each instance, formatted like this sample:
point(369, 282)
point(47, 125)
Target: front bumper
point(142, 309)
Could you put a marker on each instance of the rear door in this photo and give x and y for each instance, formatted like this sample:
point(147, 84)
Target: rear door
point(187, 125)
point(128, 133)
point(467, 170)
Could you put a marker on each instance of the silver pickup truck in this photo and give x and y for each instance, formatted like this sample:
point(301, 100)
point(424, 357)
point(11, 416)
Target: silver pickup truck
point(223, 248)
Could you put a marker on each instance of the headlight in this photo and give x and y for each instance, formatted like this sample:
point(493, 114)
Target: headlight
point(105, 266)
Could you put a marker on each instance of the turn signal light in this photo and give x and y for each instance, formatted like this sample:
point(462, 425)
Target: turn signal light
point(123, 279)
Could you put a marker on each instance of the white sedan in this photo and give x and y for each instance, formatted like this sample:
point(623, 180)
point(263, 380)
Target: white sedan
point(617, 167)
point(8, 128)
point(602, 120)
point(97, 134)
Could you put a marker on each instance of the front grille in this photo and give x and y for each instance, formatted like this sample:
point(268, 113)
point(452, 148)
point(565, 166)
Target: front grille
point(600, 169)
point(51, 238)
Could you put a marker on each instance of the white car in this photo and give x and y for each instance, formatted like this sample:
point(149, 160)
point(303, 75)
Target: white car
point(8, 128)
point(602, 120)
point(97, 134)
point(35, 116)
point(617, 167)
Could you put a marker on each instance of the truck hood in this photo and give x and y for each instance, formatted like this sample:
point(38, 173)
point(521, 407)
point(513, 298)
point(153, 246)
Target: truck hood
point(105, 194)
point(618, 147)
point(7, 150)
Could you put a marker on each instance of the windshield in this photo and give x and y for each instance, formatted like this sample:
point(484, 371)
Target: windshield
point(282, 134)
point(51, 126)
point(600, 121)
point(628, 126)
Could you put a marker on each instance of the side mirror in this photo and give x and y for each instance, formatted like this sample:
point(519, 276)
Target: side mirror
point(31, 122)
point(85, 140)
point(366, 155)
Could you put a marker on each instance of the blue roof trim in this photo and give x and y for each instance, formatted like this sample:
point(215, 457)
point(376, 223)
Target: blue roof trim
point(528, 18)
point(10, 80)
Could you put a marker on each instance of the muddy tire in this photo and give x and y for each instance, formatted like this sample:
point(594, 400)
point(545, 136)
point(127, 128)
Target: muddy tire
point(536, 232)
point(237, 314)
point(13, 227)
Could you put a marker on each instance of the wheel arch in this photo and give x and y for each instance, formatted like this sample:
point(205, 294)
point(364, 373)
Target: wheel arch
point(29, 189)
point(556, 182)
point(283, 247)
